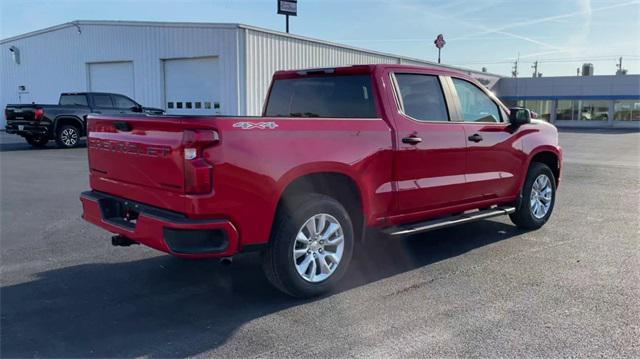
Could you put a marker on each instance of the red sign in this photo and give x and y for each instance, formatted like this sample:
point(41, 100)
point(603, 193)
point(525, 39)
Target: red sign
point(439, 41)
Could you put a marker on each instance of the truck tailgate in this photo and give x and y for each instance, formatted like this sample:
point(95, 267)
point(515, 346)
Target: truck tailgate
point(20, 112)
point(143, 158)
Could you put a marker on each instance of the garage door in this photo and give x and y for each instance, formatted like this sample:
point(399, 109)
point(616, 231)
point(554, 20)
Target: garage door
point(192, 86)
point(116, 77)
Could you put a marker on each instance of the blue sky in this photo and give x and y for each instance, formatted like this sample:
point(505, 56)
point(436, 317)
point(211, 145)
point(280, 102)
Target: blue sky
point(560, 34)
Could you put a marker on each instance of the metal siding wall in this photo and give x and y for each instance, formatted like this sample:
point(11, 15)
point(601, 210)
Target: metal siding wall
point(49, 64)
point(148, 46)
point(56, 61)
point(267, 53)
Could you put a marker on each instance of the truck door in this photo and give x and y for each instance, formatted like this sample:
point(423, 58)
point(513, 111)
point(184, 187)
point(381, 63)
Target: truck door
point(494, 156)
point(430, 158)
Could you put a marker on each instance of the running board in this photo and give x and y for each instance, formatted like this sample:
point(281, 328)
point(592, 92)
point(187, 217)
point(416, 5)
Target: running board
point(450, 221)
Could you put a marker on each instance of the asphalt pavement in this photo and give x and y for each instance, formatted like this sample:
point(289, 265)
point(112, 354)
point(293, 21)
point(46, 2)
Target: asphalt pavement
point(487, 289)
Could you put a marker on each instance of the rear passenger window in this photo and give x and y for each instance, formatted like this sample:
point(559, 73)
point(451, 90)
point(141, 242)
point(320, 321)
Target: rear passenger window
point(475, 105)
point(73, 100)
point(103, 101)
point(348, 96)
point(421, 97)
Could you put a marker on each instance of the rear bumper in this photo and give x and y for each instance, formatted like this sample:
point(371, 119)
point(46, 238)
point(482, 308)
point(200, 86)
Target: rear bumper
point(28, 129)
point(160, 229)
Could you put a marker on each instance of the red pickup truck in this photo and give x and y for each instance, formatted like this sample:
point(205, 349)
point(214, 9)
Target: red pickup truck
point(399, 148)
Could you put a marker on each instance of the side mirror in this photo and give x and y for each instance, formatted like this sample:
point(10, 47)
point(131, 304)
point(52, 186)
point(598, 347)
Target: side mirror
point(519, 116)
point(136, 108)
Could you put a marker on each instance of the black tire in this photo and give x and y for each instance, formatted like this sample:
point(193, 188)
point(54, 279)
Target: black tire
point(524, 216)
point(37, 142)
point(68, 136)
point(277, 259)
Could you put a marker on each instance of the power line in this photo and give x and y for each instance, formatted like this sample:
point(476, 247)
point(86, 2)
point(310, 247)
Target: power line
point(557, 60)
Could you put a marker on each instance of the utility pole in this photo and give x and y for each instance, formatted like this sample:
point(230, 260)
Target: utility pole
point(620, 70)
point(514, 72)
point(535, 69)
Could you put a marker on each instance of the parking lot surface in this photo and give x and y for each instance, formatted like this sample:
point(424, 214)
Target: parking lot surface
point(487, 289)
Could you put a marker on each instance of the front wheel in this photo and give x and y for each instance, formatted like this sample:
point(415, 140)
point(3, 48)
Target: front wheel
point(538, 198)
point(68, 136)
point(310, 247)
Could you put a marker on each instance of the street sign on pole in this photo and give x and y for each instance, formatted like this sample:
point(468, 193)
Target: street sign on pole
point(439, 42)
point(288, 8)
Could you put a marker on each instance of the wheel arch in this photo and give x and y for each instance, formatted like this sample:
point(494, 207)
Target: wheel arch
point(68, 120)
point(550, 157)
point(332, 180)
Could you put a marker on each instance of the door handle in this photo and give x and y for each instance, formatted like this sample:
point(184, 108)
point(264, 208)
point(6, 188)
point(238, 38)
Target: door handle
point(412, 140)
point(475, 137)
point(122, 126)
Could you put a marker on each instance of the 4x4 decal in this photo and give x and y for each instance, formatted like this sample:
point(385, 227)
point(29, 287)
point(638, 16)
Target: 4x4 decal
point(258, 125)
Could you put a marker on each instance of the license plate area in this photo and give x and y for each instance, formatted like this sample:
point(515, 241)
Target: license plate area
point(119, 212)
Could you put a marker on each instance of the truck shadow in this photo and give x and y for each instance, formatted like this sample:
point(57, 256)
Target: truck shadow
point(167, 307)
point(23, 146)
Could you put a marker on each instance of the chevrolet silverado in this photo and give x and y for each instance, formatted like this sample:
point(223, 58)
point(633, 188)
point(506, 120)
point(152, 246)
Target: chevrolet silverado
point(337, 151)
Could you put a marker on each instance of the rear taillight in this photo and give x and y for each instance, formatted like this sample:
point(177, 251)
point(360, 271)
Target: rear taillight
point(39, 113)
point(198, 173)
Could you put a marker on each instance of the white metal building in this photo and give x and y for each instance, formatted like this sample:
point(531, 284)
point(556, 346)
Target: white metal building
point(194, 68)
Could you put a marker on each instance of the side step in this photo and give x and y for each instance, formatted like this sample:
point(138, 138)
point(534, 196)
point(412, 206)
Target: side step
point(450, 221)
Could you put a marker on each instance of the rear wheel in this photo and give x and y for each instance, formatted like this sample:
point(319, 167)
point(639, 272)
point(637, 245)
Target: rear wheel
point(311, 246)
point(538, 198)
point(38, 142)
point(68, 136)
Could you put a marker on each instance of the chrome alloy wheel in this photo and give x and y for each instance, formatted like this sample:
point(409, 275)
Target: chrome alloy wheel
point(541, 196)
point(318, 248)
point(69, 136)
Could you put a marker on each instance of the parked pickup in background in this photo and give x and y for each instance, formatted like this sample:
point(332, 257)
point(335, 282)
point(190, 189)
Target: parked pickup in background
point(337, 151)
point(66, 122)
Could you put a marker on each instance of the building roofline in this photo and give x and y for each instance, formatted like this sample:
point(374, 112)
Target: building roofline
point(349, 47)
point(78, 23)
point(566, 77)
point(118, 23)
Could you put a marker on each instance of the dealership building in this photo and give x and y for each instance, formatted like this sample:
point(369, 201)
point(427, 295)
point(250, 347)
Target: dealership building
point(225, 69)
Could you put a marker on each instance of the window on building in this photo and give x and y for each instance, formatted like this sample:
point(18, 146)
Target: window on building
point(422, 97)
point(475, 104)
point(324, 96)
point(541, 107)
point(567, 110)
point(626, 110)
point(594, 110)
